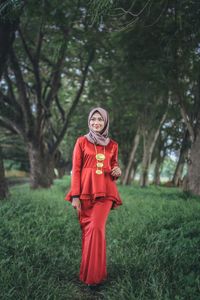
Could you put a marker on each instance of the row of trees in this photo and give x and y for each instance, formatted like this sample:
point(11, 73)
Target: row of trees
point(156, 74)
point(140, 60)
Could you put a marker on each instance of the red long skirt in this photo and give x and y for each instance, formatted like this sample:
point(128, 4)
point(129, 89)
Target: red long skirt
point(92, 218)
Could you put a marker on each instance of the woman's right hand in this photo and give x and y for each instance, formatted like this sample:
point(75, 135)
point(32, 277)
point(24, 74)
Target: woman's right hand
point(76, 203)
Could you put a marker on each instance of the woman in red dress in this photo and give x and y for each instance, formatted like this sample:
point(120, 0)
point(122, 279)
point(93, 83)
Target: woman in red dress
point(94, 192)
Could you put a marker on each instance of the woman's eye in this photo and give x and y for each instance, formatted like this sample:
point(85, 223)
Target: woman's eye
point(97, 119)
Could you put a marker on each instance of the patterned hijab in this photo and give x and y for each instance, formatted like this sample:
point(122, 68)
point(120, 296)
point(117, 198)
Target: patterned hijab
point(99, 138)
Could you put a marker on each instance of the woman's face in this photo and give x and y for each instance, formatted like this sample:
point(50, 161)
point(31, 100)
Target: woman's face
point(96, 122)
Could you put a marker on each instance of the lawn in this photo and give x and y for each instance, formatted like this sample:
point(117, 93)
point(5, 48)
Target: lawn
point(153, 243)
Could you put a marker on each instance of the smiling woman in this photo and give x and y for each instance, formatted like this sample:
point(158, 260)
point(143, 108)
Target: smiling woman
point(94, 192)
point(97, 122)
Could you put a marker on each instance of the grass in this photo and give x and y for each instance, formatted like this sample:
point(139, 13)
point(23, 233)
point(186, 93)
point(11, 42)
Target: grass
point(153, 244)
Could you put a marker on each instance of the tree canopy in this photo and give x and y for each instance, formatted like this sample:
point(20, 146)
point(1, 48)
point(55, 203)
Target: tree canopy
point(138, 59)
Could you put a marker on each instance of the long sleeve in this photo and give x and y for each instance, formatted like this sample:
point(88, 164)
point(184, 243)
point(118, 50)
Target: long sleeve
point(114, 160)
point(76, 170)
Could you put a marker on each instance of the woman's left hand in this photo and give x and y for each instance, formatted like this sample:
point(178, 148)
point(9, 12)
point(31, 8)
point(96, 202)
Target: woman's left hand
point(116, 171)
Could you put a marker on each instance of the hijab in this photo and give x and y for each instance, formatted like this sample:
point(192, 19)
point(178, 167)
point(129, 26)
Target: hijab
point(99, 138)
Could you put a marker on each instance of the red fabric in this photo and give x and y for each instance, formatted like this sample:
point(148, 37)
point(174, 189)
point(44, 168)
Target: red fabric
point(85, 183)
point(92, 218)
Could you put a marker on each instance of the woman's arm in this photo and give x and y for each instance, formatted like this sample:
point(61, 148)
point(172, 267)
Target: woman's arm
point(115, 169)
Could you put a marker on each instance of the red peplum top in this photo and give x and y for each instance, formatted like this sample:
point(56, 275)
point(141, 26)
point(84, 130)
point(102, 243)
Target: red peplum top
point(85, 183)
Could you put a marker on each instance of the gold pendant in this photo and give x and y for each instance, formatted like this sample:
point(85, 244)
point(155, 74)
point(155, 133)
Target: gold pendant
point(100, 156)
point(99, 165)
point(99, 172)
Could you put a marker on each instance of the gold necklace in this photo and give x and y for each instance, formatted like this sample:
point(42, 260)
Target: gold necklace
point(100, 158)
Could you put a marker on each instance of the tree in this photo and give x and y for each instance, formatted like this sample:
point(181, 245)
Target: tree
point(183, 155)
point(131, 162)
point(3, 183)
point(33, 81)
point(8, 27)
point(172, 41)
point(184, 77)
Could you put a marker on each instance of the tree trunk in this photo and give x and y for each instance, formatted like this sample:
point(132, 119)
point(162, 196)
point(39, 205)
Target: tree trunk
point(148, 147)
point(177, 177)
point(3, 183)
point(160, 156)
point(133, 172)
point(145, 164)
point(129, 169)
point(156, 179)
point(149, 142)
point(41, 167)
point(7, 35)
point(194, 166)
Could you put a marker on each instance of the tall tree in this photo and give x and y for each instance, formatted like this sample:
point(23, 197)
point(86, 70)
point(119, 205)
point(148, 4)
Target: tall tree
point(184, 76)
point(8, 26)
point(171, 42)
point(131, 162)
point(34, 79)
point(3, 183)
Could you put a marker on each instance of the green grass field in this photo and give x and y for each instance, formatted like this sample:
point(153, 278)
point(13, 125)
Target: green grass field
point(153, 244)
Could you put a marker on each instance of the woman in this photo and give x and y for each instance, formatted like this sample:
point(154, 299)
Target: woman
point(94, 192)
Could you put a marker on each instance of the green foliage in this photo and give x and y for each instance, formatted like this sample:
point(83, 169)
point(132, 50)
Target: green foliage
point(99, 9)
point(153, 245)
point(10, 9)
point(14, 157)
point(47, 29)
point(168, 168)
point(132, 75)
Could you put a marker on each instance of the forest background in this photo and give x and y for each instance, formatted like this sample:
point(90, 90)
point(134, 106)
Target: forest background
point(140, 60)
point(137, 59)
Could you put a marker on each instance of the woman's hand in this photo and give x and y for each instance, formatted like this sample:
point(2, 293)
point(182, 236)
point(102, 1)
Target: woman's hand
point(116, 171)
point(76, 203)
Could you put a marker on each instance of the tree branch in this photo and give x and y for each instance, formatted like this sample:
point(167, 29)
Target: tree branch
point(35, 63)
point(55, 75)
point(11, 125)
point(23, 99)
point(39, 43)
point(60, 109)
point(11, 99)
point(9, 108)
point(75, 102)
point(5, 125)
point(177, 88)
point(27, 50)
